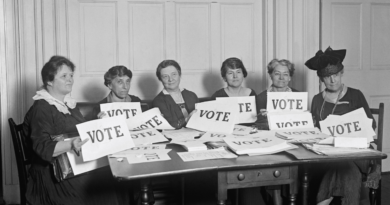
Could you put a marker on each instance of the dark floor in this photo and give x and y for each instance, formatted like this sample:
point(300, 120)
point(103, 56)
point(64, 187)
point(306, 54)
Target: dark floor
point(385, 189)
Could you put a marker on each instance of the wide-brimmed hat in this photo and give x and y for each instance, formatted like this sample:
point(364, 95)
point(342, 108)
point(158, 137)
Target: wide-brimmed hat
point(327, 63)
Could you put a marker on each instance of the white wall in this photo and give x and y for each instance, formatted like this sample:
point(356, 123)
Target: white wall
point(139, 34)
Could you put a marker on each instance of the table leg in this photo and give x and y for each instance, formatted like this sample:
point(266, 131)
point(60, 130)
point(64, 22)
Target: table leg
point(146, 194)
point(222, 188)
point(293, 186)
point(305, 185)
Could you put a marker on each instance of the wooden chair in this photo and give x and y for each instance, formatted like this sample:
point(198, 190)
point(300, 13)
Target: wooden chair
point(375, 194)
point(23, 157)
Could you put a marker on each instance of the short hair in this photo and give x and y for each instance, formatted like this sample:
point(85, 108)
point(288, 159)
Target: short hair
point(50, 69)
point(116, 71)
point(166, 63)
point(272, 65)
point(232, 63)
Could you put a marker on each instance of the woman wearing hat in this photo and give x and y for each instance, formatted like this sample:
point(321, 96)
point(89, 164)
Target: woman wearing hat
point(342, 180)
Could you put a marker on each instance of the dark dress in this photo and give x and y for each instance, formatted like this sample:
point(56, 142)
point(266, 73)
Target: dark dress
point(341, 179)
point(96, 108)
point(261, 103)
point(96, 187)
point(222, 93)
point(172, 111)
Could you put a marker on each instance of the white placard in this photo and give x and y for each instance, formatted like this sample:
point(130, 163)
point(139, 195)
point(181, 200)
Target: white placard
point(242, 130)
point(149, 119)
point(147, 136)
point(246, 107)
point(106, 136)
point(139, 149)
point(128, 109)
point(153, 156)
point(286, 101)
point(289, 120)
point(214, 137)
point(206, 155)
point(355, 122)
point(79, 166)
point(214, 116)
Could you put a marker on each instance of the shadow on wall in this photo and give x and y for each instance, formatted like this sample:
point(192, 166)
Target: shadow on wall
point(94, 91)
point(149, 85)
point(212, 82)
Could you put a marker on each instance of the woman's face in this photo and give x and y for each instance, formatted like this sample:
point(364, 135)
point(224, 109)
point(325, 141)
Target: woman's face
point(170, 78)
point(120, 85)
point(234, 77)
point(333, 83)
point(280, 76)
point(63, 80)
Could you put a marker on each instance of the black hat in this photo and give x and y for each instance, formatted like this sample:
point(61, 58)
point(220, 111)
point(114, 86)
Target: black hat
point(328, 63)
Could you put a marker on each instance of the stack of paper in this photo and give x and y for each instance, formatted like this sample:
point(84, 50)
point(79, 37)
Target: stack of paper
point(258, 144)
point(308, 135)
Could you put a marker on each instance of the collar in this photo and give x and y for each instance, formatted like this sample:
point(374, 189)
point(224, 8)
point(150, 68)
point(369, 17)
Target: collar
point(112, 98)
point(167, 93)
point(69, 102)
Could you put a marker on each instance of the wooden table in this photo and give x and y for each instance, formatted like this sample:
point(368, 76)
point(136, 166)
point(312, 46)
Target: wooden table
point(241, 172)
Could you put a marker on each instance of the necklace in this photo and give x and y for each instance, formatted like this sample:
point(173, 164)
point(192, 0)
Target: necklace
point(334, 107)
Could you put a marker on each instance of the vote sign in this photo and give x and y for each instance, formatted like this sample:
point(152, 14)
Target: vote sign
point(128, 109)
point(214, 116)
point(246, 107)
point(147, 136)
point(354, 123)
point(287, 101)
point(149, 119)
point(289, 120)
point(106, 136)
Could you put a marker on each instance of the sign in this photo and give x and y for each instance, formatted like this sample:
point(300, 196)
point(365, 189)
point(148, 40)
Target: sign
point(246, 107)
point(355, 142)
point(106, 136)
point(289, 120)
point(243, 130)
point(355, 122)
point(153, 156)
point(214, 137)
point(139, 149)
point(128, 109)
point(287, 101)
point(149, 119)
point(214, 116)
point(147, 136)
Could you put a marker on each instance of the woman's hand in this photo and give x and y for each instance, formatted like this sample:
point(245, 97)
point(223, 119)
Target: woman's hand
point(76, 145)
point(189, 116)
point(101, 115)
point(263, 112)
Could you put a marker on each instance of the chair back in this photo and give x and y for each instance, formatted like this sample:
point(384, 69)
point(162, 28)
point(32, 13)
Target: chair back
point(23, 156)
point(380, 112)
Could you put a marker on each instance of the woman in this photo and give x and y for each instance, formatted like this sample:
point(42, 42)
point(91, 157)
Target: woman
point(233, 73)
point(344, 179)
point(117, 79)
point(175, 104)
point(280, 72)
point(53, 114)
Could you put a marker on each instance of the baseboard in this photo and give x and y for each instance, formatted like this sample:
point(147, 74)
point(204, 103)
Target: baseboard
point(385, 173)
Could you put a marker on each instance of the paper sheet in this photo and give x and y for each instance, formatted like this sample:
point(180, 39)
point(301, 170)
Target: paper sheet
point(214, 137)
point(182, 134)
point(147, 136)
point(246, 107)
point(206, 155)
point(139, 149)
point(290, 120)
point(287, 101)
point(128, 109)
point(154, 156)
point(149, 119)
point(106, 136)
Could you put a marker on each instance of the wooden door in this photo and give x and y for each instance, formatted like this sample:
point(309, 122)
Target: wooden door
point(363, 28)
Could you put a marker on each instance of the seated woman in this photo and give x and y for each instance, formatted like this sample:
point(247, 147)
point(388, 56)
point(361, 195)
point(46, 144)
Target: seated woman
point(343, 179)
point(54, 113)
point(117, 79)
point(233, 73)
point(175, 104)
point(280, 72)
